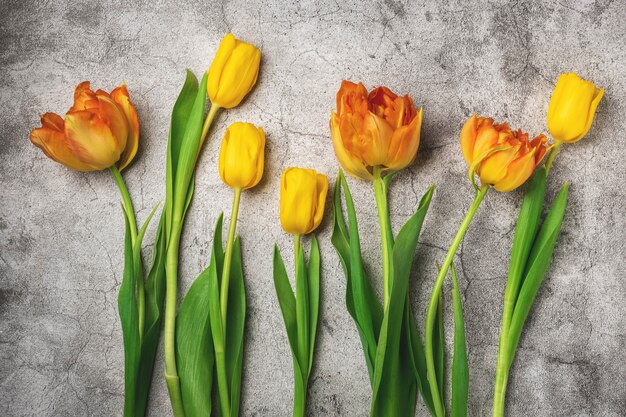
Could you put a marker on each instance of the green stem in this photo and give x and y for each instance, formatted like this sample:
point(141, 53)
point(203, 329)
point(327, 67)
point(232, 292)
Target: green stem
point(169, 334)
point(228, 256)
point(552, 155)
point(434, 301)
point(128, 204)
point(207, 123)
point(130, 214)
point(386, 234)
point(222, 382)
point(302, 309)
point(299, 396)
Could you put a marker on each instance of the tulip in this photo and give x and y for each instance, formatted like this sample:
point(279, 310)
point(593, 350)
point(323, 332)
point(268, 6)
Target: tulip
point(501, 157)
point(99, 131)
point(302, 199)
point(233, 73)
point(241, 156)
point(572, 107)
point(379, 130)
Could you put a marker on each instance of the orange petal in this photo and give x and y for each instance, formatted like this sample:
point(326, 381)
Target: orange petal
point(468, 139)
point(375, 139)
point(352, 164)
point(404, 144)
point(83, 97)
point(517, 173)
point(91, 139)
point(495, 167)
point(121, 97)
point(51, 140)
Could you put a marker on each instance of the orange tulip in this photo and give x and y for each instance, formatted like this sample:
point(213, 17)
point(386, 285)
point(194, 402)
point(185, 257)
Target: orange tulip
point(501, 157)
point(99, 130)
point(375, 130)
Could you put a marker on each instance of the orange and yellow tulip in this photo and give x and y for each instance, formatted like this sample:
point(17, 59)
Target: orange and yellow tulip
point(572, 107)
point(242, 156)
point(99, 131)
point(233, 72)
point(376, 130)
point(501, 157)
point(302, 199)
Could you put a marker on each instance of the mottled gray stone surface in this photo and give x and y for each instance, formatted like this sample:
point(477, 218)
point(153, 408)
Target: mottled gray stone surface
point(61, 231)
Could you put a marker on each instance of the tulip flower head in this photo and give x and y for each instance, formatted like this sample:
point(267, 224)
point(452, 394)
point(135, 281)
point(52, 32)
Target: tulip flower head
point(302, 198)
point(501, 157)
point(99, 131)
point(379, 129)
point(242, 156)
point(233, 72)
point(572, 107)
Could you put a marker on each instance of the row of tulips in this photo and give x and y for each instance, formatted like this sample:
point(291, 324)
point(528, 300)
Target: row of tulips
point(374, 134)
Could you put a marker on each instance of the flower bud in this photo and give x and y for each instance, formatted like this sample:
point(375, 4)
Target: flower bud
point(233, 73)
point(242, 155)
point(302, 199)
point(572, 107)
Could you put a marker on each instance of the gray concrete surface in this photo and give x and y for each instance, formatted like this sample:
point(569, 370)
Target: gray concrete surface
point(61, 231)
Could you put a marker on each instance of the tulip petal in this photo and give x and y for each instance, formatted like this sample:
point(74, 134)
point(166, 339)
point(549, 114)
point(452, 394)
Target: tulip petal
point(228, 44)
point(404, 144)
point(51, 140)
point(353, 165)
point(91, 139)
point(518, 172)
point(495, 167)
point(121, 97)
point(322, 190)
point(298, 200)
point(468, 139)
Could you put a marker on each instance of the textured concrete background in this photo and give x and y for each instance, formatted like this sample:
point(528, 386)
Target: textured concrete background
point(61, 231)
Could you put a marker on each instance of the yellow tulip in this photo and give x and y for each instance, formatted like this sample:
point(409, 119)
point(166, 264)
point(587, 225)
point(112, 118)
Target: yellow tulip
point(233, 73)
point(99, 131)
point(502, 158)
point(572, 107)
point(302, 199)
point(242, 155)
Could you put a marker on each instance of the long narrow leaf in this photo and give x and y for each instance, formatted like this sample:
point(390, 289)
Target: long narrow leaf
point(536, 267)
point(155, 295)
point(460, 368)
point(525, 233)
point(178, 124)
point(129, 318)
point(314, 296)
point(194, 344)
point(236, 326)
point(286, 300)
point(439, 348)
point(394, 386)
point(361, 299)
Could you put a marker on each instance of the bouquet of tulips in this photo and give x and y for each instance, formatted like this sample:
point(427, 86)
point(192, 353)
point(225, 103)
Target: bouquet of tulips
point(375, 135)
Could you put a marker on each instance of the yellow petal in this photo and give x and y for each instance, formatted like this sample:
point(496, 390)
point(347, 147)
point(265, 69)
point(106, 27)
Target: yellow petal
point(121, 98)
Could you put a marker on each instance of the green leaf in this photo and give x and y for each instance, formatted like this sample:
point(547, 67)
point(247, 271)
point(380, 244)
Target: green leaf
point(536, 267)
point(439, 348)
point(314, 296)
point(525, 233)
point(189, 151)
point(418, 358)
point(180, 116)
point(361, 299)
point(155, 295)
point(129, 318)
point(236, 324)
point(460, 368)
point(302, 310)
point(286, 301)
point(194, 344)
point(394, 387)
